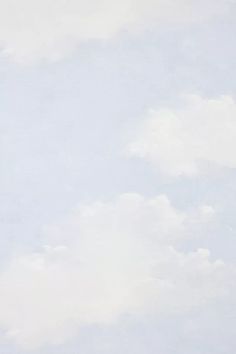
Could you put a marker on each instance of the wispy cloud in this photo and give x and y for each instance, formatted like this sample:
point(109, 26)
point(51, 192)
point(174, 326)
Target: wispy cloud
point(32, 30)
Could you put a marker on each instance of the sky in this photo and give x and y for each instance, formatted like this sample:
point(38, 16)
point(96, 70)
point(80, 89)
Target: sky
point(117, 177)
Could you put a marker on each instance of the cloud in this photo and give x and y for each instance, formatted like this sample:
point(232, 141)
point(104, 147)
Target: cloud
point(31, 30)
point(103, 261)
point(180, 141)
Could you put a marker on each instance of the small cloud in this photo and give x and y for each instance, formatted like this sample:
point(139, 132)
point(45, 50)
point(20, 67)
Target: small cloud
point(207, 211)
point(179, 141)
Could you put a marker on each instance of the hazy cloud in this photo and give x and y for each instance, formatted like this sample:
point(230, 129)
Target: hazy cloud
point(105, 260)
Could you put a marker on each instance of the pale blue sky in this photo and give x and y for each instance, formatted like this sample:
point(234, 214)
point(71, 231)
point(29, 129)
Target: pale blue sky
point(64, 130)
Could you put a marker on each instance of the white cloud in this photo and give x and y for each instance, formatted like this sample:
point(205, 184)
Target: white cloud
point(31, 29)
point(103, 261)
point(180, 141)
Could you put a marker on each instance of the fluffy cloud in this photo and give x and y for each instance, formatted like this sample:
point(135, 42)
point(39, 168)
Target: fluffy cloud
point(33, 29)
point(105, 260)
point(181, 141)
